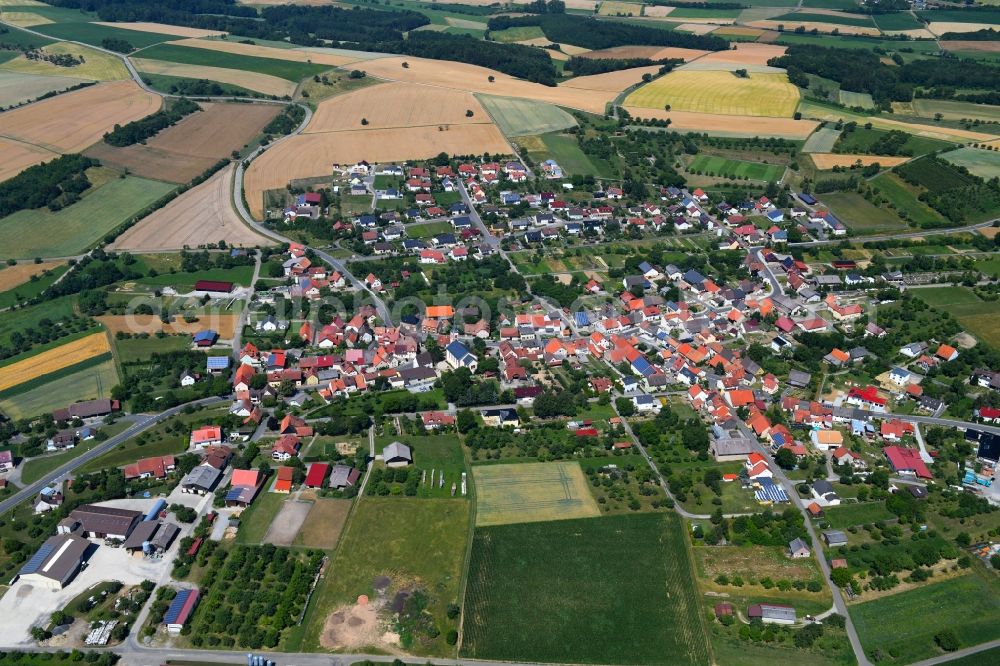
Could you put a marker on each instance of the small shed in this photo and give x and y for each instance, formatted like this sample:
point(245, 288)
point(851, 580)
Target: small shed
point(723, 609)
point(835, 538)
point(797, 549)
point(397, 454)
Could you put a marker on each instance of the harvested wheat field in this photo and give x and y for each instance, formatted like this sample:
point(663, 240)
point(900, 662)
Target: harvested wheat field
point(746, 54)
point(717, 124)
point(471, 78)
point(163, 29)
point(70, 123)
point(941, 27)
point(697, 28)
point(738, 31)
point(943, 133)
point(814, 25)
point(52, 360)
point(257, 51)
point(202, 215)
point(396, 105)
point(960, 45)
point(185, 150)
point(829, 160)
point(262, 83)
point(13, 276)
point(308, 155)
point(611, 81)
point(19, 156)
point(223, 324)
point(651, 52)
point(657, 11)
point(98, 66)
point(24, 19)
point(719, 92)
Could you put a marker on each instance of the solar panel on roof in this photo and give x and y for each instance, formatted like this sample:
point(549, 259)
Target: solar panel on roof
point(234, 493)
point(32, 565)
point(176, 606)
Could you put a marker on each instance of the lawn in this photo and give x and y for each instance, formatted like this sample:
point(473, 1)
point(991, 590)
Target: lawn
point(903, 197)
point(861, 216)
point(131, 451)
point(983, 163)
point(719, 92)
point(609, 590)
point(532, 492)
point(31, 233)
point(141, 349)
point(36, 468)
point(91, 33)
point(524, 117)
point(719, 166)
point(418, 545)
point(967, 605)
point(324, 524)
point(255, 520)
point(83, 381)
point(426, 230)
point(846, 515)
point(184, 282)
point(285, 69)
point(435, 457)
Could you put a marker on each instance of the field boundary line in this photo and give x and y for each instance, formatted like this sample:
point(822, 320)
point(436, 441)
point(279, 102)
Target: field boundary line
point(463, 584)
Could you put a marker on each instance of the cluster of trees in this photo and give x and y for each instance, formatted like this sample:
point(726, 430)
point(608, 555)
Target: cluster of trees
point(587, 66)
point(460, 388)
point(193, 262)
point(138, 131)
point(57, 59)
point(547, 442)
point(957, 203)
point(116, 44)
point(56, 183)
point(525, 62)
point(389, 481)
point(983, 35)
point(286, 121)
point(861, 70)
point(592, 34)
point(143, 379)
point(201, 88)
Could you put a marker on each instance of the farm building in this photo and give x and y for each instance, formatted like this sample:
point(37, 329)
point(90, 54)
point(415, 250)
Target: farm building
point(343, 476)
point(243, 487)
point(283, 484)
point(56, 562)
point(317, 475)
point(397, 454)
point(100, 522)
point(205, 338)
point(214, 286)
point(772, 613)
point(180, 610)
point(906, 461)
point(201, 480)
point(89, 409)
point(835, 538)
point(155, 467)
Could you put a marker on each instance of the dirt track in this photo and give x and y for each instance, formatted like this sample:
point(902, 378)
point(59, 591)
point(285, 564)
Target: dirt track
point(200, 216)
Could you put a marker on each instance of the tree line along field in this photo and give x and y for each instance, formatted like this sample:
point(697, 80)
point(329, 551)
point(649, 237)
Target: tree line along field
point(967, 605)
point(904, 199)
point(615, 589)
point(710, 165)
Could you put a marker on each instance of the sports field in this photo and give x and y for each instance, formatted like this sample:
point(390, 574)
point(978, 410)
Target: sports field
point(983, 163)
point(523, 117)
point(89, 381)
point(52, 360)
point(719, 92)
point(610, 590)
point(426, 551)
point(531, 492)
point(710, 165)
point(33, 233)
point(97, 65)
point(967, 605)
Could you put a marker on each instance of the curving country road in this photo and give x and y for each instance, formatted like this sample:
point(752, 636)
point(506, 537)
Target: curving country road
point(145, 422)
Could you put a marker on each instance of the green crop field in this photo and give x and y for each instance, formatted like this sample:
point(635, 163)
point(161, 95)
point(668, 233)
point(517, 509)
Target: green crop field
point(91, 33)
point(31, 233)
point(843, 19)
point(903, 196)
point(417, 544)
point(719, 92)
point(517, 34)
point(610, 590)
point(960, 16)
point(140, 349)
point(847, 515)
point(983, 163)
point(862, 140)
point(17, 37)
point(861, 216)
point(967, 605)
point(989, 657)
point(707, 13)
point(87, 382)
point(519, 493)
point(523, 117)
point(821, 4)
point(720, 166)
point(933, 175)
point(285, 69)
point(896, 21)
point(852, 99)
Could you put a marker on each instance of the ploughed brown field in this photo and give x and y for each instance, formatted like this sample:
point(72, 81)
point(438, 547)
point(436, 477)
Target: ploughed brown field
point(202, 215)
point(181, 152)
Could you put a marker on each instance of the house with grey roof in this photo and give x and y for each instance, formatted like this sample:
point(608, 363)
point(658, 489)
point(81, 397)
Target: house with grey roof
point(397, 454)
point(798, 549)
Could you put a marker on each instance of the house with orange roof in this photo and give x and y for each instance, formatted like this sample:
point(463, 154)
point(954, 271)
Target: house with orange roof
point(946, 353)
point(759, 424)
point(283, 484)
point(739, 398)
point(209, 435)
point(827, 440)
point(837, 357)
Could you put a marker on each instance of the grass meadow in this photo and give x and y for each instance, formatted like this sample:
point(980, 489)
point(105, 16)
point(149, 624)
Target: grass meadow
point(531, 492)
point(285, 69)
point(979, 317)
point(564, 149)
point(524, 117)
point(862, 140)
point(594, 590)
point(982, 163)
point(846, 515)
point(31, 233)
point(861, 216)
point(711, 165)
point(416, 543)
point(967, 605)
point(903, 196)
point(324, 524)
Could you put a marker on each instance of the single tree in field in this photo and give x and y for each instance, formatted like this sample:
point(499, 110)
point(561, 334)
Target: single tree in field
point(491, 78)
point(469, 113)
point(364, 121)
point(406, 65)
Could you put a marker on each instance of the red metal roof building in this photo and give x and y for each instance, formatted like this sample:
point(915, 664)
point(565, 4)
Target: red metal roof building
point(906, 461)
point(317, 475)
point(213, 285)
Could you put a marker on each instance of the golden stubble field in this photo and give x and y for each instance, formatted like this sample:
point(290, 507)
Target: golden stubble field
point(70, 123)
point(829, 160)
point(12, 276)
point(262, 83)
point(719, 92)
point(52, 360)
